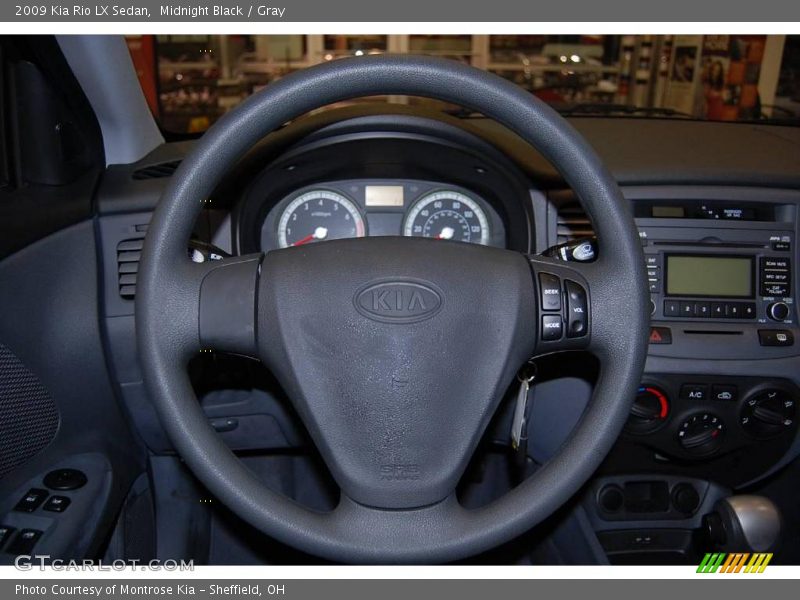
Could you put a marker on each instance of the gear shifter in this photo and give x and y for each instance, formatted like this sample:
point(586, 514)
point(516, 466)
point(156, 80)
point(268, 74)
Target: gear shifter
point(744, 524)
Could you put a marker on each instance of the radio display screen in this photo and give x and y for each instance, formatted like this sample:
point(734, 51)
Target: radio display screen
point(709, 276)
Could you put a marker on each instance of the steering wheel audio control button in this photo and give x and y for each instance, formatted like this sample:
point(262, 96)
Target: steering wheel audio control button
point(550, 291)
point(552, 328)
point(577, 310)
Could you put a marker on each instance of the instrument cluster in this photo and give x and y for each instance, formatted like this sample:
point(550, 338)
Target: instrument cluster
point(359, 208)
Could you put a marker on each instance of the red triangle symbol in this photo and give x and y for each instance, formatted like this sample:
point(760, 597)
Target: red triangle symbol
point(655, 336)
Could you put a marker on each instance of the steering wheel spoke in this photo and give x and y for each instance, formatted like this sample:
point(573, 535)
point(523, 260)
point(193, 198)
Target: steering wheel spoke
point(227, 311)
point(580, 306)
point(563, 304)
point(368, 533)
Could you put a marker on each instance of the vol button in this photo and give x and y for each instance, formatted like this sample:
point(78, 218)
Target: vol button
point(577, 309)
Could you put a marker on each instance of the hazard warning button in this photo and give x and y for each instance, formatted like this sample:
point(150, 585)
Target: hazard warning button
point(660, 335)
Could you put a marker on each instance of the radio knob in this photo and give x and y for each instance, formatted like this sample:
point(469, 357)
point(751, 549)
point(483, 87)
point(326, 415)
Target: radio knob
point(778, 311)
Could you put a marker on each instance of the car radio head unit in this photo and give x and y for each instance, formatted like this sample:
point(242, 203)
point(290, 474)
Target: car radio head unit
point(709, 276)
point(721, 274)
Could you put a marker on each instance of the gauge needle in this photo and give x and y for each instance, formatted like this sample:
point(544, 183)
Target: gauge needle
point(320, 233)
point(447, 234)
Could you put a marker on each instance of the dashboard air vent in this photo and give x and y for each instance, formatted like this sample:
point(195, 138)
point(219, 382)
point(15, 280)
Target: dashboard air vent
point(128, 254)
point(157, 171)
point(572, 222)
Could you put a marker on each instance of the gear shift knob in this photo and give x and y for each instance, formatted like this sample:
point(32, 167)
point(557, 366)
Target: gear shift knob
point(744, 523)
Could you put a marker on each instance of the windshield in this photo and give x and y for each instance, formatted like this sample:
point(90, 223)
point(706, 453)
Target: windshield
point(191, 80)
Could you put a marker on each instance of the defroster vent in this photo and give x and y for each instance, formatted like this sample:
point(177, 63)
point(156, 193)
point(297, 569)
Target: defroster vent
point(129, 252)
point(158, 171)
point(572, 222)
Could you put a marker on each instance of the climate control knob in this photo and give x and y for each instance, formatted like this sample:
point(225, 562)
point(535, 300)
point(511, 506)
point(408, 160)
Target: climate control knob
point(768, 413)
point(649, 411)
point(701, 434)
point(778, 311)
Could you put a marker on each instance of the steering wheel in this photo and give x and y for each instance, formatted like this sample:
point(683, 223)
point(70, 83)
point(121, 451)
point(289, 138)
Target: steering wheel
point(395, 352)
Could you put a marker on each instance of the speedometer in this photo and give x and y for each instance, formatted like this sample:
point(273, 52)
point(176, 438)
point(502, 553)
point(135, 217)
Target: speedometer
point(319, 215)
point(448, 215)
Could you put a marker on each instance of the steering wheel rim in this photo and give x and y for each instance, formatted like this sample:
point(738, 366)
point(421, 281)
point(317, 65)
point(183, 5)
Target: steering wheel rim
point(170, 317)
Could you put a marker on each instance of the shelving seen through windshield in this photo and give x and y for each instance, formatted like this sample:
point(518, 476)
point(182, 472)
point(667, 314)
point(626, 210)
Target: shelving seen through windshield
point(191, 80)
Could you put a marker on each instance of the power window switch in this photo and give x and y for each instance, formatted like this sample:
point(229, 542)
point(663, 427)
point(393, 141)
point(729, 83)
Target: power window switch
point(5, 534)
point(56, 504)
point(32, 500)
point(24, 542)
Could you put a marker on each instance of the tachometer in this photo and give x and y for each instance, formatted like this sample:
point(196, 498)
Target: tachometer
point(448, 215)
point(319, 215)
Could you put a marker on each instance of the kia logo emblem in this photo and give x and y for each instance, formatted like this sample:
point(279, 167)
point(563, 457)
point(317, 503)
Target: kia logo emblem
point(398, 301)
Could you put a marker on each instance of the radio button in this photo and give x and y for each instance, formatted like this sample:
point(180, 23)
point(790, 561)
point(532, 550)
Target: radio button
point(749, 310)
point(774, 289)
point(654, 287)
point(718, 310)
point(770, 262)
point(672, 308)
point(772, 276)
point(702, 310)
point(687, 309)
point(733, 310)
point(778, 311)
point(781, 246)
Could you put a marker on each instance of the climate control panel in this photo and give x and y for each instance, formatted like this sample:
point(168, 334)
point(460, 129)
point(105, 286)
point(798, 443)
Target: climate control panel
point(700, 418)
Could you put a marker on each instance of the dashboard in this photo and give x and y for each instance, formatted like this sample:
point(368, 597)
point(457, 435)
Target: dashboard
point(381, 207)
point(718, 212)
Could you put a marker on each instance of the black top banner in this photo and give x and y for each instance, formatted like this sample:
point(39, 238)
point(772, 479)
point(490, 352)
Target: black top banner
point(496, 11)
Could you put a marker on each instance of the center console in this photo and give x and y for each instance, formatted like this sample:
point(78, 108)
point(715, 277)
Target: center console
point(717, 407)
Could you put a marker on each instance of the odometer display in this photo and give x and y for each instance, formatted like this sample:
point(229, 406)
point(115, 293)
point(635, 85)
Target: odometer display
point(319, 215)
point(448, 215)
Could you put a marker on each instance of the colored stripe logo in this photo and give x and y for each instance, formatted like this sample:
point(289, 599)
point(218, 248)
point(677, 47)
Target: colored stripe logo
point(736, 562)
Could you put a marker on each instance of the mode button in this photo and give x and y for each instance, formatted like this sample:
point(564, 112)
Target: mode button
point(552, 328)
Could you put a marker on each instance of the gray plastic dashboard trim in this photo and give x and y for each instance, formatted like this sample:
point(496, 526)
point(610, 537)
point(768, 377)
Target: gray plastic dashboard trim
point(103, 66)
